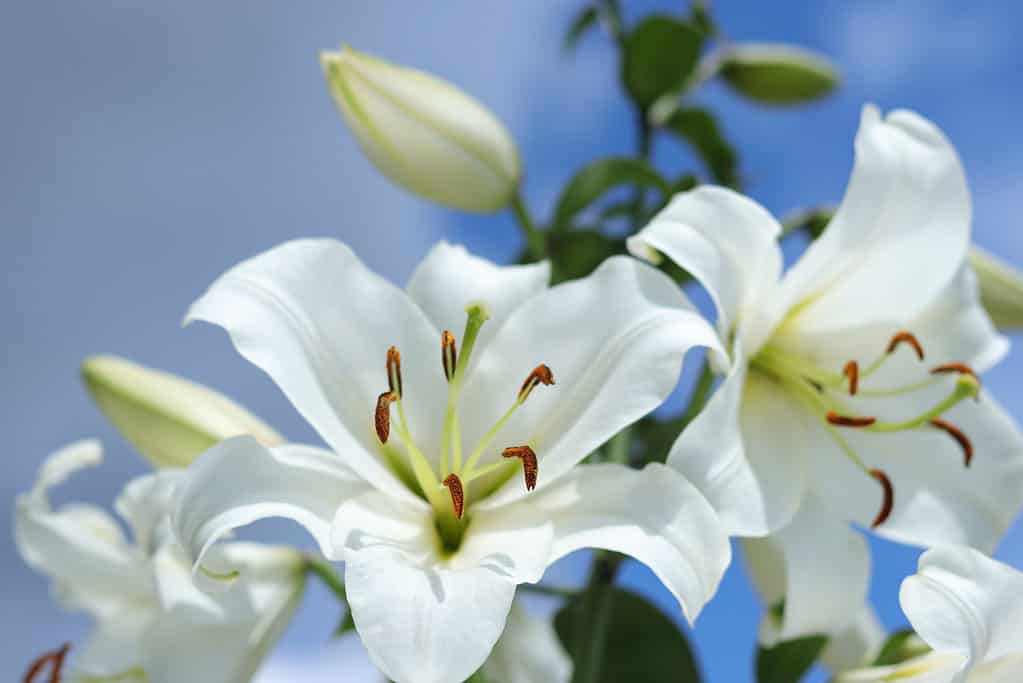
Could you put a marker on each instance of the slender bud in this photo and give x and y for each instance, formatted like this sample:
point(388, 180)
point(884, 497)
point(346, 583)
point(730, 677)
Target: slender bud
point(394, 371)
point(852, 371)
point(959, 436)
point(1001, 289)
point(541, 374)
point(530, 468)
point(423, 133)
point(54, 659)
point(448, 354)
point(454, 485)
point(905, 338)
point(888, 502)
point(382, 416)
point(777, 74)
point(849, 420)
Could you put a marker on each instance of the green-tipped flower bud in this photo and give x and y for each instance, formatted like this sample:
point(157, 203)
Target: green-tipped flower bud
point(170, 420)
point(423, 133)
point(1001, 289)
point(778, 74)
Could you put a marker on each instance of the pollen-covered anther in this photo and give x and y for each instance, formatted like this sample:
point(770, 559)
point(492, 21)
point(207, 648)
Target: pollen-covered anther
point(530, 468)
point(448, 354)
point(394, 371)
point(852, 371)
point(960, 368)
point(54, 659)
point(454, 486)
point(849, 420)
point(888, 502)
point(905, 338)
point(541, 374)
point(382, 418)
point(959, 436)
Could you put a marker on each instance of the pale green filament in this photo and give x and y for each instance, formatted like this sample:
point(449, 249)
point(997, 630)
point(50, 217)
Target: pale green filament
point(966, 387)
point(477, 453)
point(478, 314)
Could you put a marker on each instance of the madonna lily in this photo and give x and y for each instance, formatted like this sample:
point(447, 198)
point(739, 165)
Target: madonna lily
point(969, 609)
point(147, 609)
point(853, 393)
point(438, 441)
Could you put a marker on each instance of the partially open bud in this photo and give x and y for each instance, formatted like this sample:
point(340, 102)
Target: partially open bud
point(541, 374)
point(423, 133)
point(168, 419)
point(448, 354)
point(1001, 289)
point(454, 486)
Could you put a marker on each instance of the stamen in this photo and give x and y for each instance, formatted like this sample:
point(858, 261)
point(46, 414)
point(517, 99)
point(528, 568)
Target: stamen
point(56, 661)
point(889, 497)
point(966, 387)
point(957, 434)
point(961, 368)
point(849, 420)
point(382, 418)
point(529, 465)
point(448, 354)
point(905, 338)
point(454, 485)
point(394, 371)
point(852, 371)
point(541, 374)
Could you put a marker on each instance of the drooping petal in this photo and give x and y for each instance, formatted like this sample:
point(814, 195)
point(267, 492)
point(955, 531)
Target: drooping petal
point(961, 601)
point(614, 341)
point(653, 514)
point(450, 277)
point(315, 319)
point(728, 243)
point(240, 481)
point(746, 452)
point(826, 569)
point(528, 651)
point(899, 237)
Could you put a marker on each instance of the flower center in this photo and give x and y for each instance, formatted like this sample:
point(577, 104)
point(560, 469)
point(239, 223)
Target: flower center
point(447, 488)
point(826, 394)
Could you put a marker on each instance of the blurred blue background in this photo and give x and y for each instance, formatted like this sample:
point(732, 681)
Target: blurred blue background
point(146, 147)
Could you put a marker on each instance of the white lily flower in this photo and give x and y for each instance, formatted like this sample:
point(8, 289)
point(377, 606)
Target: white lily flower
point(152, 623)
point(969, 609)
point(850, 392)
point(435, 527)
point(529, 651)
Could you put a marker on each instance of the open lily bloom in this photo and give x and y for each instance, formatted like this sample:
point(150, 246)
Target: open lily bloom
point(853, 390)
point(147, 608)
point(969, 609)
point(439, 441)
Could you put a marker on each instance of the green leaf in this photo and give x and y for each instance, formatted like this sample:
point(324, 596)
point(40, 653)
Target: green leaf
point(583, 22)
point(576, 253)
point(347, 624)
point(788, 661)
point(659, 56)
point(699, 128)
point(699, 15)
point(640, 645)
point(1001, 288)
point(813, 220)
point(901, 646)
point(778, 74)
point(597, 178)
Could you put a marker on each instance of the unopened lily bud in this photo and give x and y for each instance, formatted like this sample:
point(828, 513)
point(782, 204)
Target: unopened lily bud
point(168, 419)
point(1001, 289)
point(423, 133)
point(778, 74)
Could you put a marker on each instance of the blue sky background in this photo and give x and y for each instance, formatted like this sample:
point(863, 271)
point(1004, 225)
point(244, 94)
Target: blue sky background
point(147, 147)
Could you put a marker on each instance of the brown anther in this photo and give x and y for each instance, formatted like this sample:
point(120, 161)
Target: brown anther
point(959, 368)
point(383, 415)
point(957, 434)
point(394, 371)
point(55, 659)
point(889, 497)
point(849, 420)
point(454, 485)
point(905, 338)
point(530, 469)
point(541, 374)
point(852, 371)
point(448, 354)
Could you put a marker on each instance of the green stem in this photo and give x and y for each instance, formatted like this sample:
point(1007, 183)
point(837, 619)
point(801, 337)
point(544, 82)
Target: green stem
point(596, 616)
point(700, 395)
point(325, 572)
point(535, 242)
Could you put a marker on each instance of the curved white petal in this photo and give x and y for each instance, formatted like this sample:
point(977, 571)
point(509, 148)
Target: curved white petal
point(961, 601)
point(315, 319)
point(898, 238)
point(614, 341)
point(857, 645)
point(746, 451)
point(653, 514)
point(529, 651)
point(826, 566)
point(728, 243)
point(449, 278)
point(239, 481)
point(145, 504)
point(930, 668)
point(115, 646)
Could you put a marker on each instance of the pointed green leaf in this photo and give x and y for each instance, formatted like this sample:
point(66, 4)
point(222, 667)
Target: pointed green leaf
point(597, 178)
point(699, 128)
point(168, 419)
point(788, 661)
point(658, 58)
point(901, 646)
point(778, 74)
point(583, 22)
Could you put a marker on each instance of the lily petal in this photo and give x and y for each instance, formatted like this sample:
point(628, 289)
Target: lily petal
point(899, 237)
point(529, 651)
point(857, 645)
point(315, 319)
point(614, 341)
point(240, 481)
point(116, 644)
point(145, 504)
point(728, 243)
point(755, 490)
